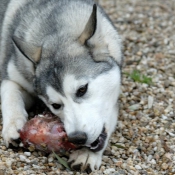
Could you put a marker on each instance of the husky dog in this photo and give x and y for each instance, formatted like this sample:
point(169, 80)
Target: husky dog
point(67, 53)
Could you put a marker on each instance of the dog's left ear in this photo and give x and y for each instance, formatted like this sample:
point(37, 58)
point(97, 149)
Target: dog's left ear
point(96, 46)
point(101, 38)
point(90, 27)
point(33, 53)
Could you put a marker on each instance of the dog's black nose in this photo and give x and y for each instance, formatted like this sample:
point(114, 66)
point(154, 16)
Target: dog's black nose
point(78, 138)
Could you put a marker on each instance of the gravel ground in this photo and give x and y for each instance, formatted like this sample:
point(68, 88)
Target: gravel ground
point(144, 140)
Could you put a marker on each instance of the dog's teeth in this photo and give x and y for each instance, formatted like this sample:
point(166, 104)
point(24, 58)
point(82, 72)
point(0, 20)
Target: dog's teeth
point(93, 148)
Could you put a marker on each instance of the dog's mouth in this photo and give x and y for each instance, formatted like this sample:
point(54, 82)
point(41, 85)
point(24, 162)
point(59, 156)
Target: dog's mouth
point(99, 143)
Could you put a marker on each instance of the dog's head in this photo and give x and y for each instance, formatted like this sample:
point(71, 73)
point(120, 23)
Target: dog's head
point(81, 83)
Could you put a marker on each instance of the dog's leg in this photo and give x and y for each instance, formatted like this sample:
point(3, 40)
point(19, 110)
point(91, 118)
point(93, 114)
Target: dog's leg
point(14, 101)
point(85, 160)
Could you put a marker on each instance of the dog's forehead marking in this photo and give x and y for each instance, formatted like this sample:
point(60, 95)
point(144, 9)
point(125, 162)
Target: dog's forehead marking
point(71, 84)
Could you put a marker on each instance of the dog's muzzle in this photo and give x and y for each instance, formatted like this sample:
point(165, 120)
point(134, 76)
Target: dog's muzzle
point(99, 143)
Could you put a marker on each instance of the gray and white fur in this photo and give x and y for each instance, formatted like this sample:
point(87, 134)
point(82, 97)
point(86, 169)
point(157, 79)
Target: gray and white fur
point(67, 53)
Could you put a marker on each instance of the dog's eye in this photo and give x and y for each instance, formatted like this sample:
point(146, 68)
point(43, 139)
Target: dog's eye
point(81, 91)
point(56, 106)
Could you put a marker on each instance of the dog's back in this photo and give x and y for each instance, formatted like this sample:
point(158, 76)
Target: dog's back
point(3, 6)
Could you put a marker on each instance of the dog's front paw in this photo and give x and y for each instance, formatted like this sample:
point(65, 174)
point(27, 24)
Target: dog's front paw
point(10, 131)
point(85, 160)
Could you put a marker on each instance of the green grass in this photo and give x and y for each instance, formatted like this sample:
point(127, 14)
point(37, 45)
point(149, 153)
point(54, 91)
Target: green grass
point(118, 146)
point(61, 161)
point(138, 77)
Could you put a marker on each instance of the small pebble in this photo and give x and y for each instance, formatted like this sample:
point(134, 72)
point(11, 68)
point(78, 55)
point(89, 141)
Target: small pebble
point(164, 166)
point(50, 159)
point(108, 171)
point(138, 167)
point(28, 154)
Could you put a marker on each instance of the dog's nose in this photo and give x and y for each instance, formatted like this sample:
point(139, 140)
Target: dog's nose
point(78, 138)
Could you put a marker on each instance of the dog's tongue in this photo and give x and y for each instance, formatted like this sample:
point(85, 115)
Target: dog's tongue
point(46, 133)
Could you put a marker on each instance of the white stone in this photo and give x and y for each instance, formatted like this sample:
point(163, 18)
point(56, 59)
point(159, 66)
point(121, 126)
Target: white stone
point(28, 154)
point(170, 133)
point(164, 117)
point(134, 107)
point(138, 167)
point(109, 170)
point(22, 158)
point(155, 148)
point(21, 145)
point(150, 102)
point(36, 166)
point(50, 159)
point(149, 158)
point(144, 166)
point(9, 162)
point(153, 162)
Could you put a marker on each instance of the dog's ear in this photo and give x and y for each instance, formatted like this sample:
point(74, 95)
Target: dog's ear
point(90, 27)
point(96, 46)
point(101, 38)
point(33, 53)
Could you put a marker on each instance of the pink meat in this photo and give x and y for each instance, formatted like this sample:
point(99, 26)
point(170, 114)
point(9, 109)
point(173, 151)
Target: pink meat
point(46, 133)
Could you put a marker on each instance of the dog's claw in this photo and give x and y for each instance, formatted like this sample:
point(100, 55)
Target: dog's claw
point(12, 145)
point(15, 142)
point(77, 167)
point(88, 169)
point(80, 167)
point(70, 163)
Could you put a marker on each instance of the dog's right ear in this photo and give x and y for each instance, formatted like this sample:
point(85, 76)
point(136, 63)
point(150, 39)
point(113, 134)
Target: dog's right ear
point(33, 53)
